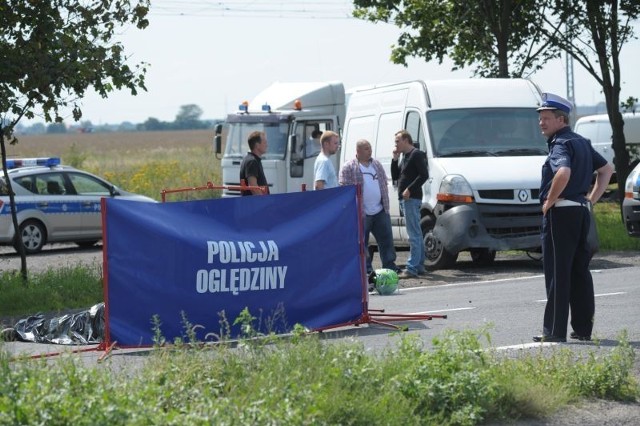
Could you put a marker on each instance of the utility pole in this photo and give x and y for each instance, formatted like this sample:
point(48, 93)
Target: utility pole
point(570, 85)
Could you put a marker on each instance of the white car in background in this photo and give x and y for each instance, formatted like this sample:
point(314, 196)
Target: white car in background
point(631, 203)
point(54, 203)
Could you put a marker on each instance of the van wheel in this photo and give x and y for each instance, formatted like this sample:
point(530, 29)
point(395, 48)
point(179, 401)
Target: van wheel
point(437, 257)
point(482, 256)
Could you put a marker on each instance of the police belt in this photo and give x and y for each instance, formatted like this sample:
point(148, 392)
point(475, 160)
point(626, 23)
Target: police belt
point(569, 203)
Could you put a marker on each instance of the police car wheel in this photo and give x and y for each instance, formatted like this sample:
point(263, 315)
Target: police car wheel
point(34, 236)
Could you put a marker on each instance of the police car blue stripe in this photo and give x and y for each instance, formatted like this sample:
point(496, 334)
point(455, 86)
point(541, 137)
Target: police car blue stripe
point(52, 207)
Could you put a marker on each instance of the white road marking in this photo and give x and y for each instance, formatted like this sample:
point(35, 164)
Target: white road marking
point(442, 310)
point(596, 295)
point(402, 290)
point(526, 346)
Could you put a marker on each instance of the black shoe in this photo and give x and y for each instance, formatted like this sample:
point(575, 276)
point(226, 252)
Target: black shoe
point(576, 336)
point(549, 339)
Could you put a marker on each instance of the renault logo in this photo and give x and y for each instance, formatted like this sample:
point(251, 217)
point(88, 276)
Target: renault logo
point(523, 195)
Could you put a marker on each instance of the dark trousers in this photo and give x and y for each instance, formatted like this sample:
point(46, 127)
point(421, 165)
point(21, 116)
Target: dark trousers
point(568, 280)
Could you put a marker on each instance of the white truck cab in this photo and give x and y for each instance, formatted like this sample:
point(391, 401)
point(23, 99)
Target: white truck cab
point(290, 114)
point(485, 153)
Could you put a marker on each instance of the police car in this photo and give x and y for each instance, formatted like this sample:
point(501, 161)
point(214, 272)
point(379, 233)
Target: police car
point(631, 203)
point(54, 203)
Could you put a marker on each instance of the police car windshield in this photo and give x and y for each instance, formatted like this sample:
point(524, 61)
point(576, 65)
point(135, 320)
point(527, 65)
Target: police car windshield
point(277, 133)
point(486, 132)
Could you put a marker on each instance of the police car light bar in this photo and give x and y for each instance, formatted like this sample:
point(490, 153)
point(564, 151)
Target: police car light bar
point(26, 162)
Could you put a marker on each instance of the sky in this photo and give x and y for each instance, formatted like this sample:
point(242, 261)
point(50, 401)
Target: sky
point(218, 54)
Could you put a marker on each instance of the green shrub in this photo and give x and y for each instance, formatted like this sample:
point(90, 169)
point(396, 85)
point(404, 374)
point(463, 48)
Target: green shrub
point(310, 381)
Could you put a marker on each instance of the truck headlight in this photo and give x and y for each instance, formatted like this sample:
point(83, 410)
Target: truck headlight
point(455, 189)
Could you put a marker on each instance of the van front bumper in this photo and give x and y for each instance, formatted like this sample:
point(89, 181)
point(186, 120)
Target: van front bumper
point(631, 215)
point(496, 227)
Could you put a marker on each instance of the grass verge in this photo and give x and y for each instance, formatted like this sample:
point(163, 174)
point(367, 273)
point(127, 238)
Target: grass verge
point(309, 381)
point(611, 231)
point(53, 291)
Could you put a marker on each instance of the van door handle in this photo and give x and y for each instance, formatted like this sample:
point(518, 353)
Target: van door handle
point(236, 163)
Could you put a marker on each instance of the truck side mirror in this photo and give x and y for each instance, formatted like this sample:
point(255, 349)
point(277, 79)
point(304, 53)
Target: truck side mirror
point(293, 143)
point(217, 140)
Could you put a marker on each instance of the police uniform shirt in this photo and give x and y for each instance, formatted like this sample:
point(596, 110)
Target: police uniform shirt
point(569, 149)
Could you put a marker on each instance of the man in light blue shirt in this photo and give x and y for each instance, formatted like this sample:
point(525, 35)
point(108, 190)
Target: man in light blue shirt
point(324, 171)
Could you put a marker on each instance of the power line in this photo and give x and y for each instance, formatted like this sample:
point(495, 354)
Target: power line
point(330, 9)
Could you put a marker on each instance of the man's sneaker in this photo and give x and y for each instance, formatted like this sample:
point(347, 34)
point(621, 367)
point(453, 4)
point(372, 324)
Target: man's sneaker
point(406, 274)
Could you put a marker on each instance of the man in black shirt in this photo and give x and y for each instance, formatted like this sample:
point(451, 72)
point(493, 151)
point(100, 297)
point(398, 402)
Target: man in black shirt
point(411, 173)
point(251, 168)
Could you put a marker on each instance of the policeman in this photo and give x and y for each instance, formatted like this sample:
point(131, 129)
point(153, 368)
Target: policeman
point(564, 193)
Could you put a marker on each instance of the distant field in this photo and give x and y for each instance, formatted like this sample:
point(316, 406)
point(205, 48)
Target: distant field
point(141, 162)
point(103, 143)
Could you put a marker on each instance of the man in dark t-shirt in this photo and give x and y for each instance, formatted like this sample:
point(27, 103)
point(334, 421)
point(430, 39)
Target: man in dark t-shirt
point(251, 168)
point(410, 173)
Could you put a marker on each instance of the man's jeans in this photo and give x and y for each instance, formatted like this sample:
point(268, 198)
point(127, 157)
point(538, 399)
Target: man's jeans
point(379, 225)
point(411, 208)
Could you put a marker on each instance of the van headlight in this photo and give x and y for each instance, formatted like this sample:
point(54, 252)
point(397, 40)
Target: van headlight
point(455, 189)
point(632, 181)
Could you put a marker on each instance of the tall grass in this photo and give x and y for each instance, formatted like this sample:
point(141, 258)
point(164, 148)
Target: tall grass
point(139, 162)
point(56, 290)
point(611, 230)
point(309, 381)
point(163, 169)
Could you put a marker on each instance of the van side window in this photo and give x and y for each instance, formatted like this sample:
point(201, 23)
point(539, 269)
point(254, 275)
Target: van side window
point(413, 125)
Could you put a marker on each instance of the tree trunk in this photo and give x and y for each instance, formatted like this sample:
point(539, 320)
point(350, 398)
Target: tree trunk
point(14, 213)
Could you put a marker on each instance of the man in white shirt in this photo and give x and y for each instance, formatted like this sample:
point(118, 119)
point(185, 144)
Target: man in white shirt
point(370, 175)
point(323, 170)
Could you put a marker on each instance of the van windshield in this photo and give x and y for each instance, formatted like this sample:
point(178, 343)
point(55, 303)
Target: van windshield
point(486, 132)
point(238, 133)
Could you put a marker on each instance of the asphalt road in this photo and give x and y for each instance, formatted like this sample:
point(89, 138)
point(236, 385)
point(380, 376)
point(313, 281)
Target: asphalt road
point(509, 303)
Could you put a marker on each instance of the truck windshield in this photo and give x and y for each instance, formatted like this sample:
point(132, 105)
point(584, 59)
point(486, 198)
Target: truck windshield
point(486, 132)
point(237, 146)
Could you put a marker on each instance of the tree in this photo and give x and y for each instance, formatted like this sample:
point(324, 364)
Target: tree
point(56, 128)
point(51, 52)
point(153, 124)
point(502, 38)
point(593, 32)
point(188, 117)
point(514, 38)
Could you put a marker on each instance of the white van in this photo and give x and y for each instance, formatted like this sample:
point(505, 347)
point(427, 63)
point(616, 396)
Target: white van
point(597, 129)
point(485, 153)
